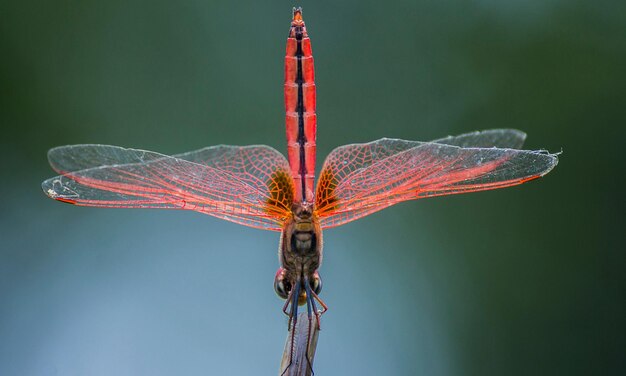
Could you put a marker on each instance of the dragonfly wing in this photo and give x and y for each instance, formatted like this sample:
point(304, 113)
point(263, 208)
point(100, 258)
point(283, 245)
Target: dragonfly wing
point(357, 180)
point(499, 138)
point(250, 185)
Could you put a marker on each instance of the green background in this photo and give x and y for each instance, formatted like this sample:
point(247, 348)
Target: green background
point(522, 281)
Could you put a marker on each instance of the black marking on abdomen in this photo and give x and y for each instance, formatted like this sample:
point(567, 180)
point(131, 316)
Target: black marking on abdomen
point(300, 111)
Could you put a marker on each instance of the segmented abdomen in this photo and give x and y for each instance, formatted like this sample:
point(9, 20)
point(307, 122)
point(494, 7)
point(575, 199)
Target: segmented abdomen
point(300, 118)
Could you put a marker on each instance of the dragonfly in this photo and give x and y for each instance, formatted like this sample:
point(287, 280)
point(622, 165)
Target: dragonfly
point(259, 187)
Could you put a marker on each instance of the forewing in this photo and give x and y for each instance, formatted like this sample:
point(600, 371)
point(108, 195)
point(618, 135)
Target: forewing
point(250, 185)
point(360, 179)
point(499, 138)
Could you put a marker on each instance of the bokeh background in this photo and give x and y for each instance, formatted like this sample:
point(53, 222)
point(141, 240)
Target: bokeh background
point(523, 281)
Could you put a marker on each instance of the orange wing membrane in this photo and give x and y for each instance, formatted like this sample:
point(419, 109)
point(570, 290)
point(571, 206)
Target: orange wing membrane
point(249, 185)
point(360, 179)
point(300, 118)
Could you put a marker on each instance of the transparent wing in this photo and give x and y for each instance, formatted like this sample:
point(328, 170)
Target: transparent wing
point(249, 185)
point(499, 138)
point(359, 179)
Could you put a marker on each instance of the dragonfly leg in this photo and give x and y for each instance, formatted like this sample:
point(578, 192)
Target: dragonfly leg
point(317, 314)
point(310, 301)
point(293, 319)
point(320, 301)
point(310, 305)
point(287, 301)
point(293, 313)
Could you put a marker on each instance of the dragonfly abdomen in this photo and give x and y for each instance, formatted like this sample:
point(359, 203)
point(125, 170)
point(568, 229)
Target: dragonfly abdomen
point(300, 118)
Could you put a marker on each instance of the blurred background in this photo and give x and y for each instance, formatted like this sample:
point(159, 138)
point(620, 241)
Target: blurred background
point(523, 281)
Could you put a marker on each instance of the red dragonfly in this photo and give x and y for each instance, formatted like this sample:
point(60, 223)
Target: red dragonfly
point(257, 186)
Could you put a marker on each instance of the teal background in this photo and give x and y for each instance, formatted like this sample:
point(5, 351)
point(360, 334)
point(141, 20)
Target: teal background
point(522, 281)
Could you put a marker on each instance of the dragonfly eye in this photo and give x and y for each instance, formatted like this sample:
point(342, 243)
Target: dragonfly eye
point(316, 283)
point(281, 286)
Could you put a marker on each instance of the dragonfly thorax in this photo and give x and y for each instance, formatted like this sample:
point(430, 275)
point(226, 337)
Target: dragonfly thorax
point(300, 251)
point(303, 232)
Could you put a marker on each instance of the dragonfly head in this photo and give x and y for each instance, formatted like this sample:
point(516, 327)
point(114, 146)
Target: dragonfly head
point(283, 286)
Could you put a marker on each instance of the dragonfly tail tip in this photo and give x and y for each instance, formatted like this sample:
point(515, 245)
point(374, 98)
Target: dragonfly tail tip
point(297, 13)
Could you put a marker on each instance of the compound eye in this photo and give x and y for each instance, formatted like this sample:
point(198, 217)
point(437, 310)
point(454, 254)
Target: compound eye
point(281, 286)
point(316, 283)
